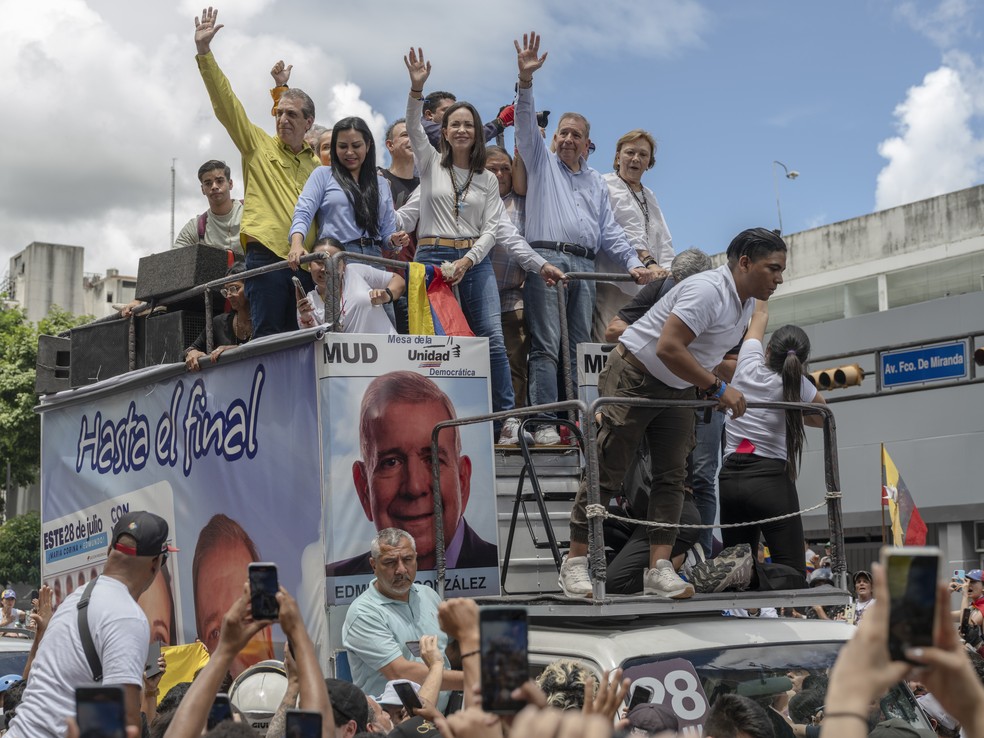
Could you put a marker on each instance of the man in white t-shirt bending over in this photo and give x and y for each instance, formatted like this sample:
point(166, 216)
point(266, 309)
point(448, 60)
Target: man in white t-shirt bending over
point(119, 629)
point(671, 350)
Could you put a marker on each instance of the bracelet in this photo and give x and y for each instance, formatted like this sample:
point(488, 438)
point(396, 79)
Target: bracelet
point(650, 262)
point(476, 652)
point(862, 718)
point(720, 391)
point(387, 289)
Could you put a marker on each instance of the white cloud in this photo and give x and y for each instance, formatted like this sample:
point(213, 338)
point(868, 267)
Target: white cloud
point(102, 94)
point(944, 25)
point(936, 150)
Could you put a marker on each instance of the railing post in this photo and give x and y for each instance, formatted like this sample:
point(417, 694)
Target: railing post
point(209, 333)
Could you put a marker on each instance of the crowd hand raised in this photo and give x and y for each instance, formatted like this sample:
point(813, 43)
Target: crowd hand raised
point(290, 619)
point(732, 400)
point(472, 722)
point(43, 606)
point(238, 625)
point(132, 731)
point(191, 360)
point(609, 695)
point(430, 652)
point(551, 275)
point(151, 684)
point(418, 68)
point(281, 73)
point(946, 669)
point(532, 722)
point(206, 29)
point(527, 56)
point(641, 275)
point(458, 618)
point(507, 116)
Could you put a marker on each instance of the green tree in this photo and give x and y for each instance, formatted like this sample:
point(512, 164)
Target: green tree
point(20, 426)
point(20, 549)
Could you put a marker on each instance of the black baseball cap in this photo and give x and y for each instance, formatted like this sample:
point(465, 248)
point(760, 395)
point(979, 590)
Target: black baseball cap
point(348, 701)
point(148, 530)
point(862, 573)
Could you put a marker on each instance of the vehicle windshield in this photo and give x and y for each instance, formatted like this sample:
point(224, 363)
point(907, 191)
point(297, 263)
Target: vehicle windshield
point(772, 675)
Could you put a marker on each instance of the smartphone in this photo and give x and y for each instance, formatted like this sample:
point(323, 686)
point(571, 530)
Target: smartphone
point(100, 711)
point(298, 288)
point(263, 588)
point(34, 595)
point(640, 696)
point(303, 724)
point(504, 642)
point(912, 574)
point(151, 667)
point(220, 711)
point(959, 575)
point(408, 697)
point(414, 648)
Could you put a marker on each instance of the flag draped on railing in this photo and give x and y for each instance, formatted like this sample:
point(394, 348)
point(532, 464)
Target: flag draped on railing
point(432, 307)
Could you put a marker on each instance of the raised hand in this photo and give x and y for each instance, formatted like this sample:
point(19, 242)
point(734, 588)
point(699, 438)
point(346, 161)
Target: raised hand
point(527, 56)
point(206, 29)
point(418, 68)
point(281, 73)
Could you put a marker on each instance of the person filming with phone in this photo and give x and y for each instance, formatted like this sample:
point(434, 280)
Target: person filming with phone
point(389, 616)
point(109, 644)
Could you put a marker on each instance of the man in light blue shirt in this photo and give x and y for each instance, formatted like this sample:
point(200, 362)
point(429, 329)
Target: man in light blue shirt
point(568, 219)
point(392, 612)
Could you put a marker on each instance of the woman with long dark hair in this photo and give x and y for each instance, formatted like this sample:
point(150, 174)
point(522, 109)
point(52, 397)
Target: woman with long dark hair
point(350, 200)
point(763, 448)
point(460, 209)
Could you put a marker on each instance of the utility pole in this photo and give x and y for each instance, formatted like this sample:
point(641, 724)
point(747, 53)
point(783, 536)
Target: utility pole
point(171, 242)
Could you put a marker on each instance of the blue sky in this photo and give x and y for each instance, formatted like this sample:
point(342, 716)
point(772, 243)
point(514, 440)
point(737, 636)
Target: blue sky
point(107, 93)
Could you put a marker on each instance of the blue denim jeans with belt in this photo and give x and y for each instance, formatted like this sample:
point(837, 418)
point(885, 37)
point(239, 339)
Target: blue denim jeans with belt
point(272, 299)
point(545, 374)
point(479, 297)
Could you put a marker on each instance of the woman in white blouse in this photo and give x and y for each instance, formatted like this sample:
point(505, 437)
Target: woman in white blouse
point(460, 209)
point(636, 210)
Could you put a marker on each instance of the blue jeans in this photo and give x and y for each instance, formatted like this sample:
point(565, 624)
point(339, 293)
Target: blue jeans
point(543, 320)
point(480, 304)
point(706, 459)
point(272, 299)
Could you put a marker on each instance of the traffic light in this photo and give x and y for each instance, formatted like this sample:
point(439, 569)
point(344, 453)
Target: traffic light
point(836, 377)
point(979, 357)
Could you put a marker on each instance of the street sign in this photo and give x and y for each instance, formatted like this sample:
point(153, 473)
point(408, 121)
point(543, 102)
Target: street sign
point(924, 364)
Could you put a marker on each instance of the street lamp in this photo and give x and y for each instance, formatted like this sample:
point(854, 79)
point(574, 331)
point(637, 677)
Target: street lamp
point(790, 174)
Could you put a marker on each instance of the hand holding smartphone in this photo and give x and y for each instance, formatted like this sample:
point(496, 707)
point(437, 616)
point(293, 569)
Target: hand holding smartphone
point(409, 698)
point(912, 573)
point(100, 711)
point(220, 711)
point(263, 588)
point(504, 638)
point(298, 288)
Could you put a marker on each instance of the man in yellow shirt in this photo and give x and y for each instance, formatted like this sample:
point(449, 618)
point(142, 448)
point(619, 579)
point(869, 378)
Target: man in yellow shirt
point(275, 169)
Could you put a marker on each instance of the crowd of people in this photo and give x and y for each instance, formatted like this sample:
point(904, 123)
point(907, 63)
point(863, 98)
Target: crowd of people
point(416, 669)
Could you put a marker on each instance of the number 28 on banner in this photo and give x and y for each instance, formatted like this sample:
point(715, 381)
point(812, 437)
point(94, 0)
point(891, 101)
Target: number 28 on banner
point(676, 685)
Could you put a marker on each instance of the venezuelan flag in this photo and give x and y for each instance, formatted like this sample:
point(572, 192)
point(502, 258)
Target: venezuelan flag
point(908, 528)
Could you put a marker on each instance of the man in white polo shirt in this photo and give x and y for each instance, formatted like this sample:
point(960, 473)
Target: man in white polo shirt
point(666, 354)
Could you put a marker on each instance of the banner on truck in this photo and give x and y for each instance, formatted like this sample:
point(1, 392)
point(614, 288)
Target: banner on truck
point(230, 457)
point(380, 399)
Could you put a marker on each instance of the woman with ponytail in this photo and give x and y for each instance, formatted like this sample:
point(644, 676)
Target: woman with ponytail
point(763, 447)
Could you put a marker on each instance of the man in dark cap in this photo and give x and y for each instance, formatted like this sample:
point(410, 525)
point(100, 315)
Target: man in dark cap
point(117, 628)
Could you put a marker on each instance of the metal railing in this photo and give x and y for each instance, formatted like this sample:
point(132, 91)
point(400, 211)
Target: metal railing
point(596, 537)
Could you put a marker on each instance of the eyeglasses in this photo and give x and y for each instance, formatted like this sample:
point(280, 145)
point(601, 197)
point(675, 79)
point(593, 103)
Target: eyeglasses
point(230, 290)
point(163, 558)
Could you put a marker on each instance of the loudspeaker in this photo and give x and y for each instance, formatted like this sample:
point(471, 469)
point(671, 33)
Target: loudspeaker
point(177, 270)
point(99, 351)
point(167, 335)
point(54, 365)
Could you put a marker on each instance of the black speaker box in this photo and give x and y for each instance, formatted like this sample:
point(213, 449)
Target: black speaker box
point(54, 365)
point(99, 351)
point(167, 335)
point(177, 270)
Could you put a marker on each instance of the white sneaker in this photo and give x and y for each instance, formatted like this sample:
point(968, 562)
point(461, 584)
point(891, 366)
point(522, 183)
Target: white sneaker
point(509, 435)
point(665, 582)
point(574, 578)
point(546, 435)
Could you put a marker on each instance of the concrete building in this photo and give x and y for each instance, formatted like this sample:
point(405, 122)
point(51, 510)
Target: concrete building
point(46, 274)
point(102, 292)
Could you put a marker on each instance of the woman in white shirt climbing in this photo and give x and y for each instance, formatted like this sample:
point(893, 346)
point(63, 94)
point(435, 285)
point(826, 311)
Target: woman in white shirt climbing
point(763, 448)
